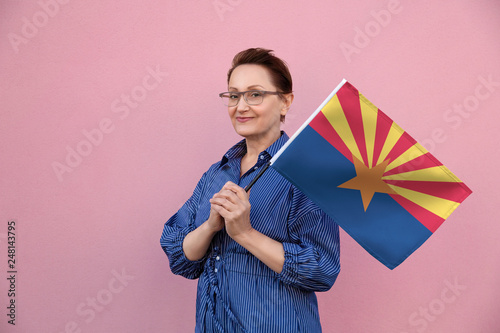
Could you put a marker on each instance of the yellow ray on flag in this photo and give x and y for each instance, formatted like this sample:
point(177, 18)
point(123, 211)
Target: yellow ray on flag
point(392, 137)
point(439, 206)
point(413, 152)
point(434, 174)
point(369, 115)
point(335, 115)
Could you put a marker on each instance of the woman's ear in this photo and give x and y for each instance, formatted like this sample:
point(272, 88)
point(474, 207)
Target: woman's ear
point(287, 102)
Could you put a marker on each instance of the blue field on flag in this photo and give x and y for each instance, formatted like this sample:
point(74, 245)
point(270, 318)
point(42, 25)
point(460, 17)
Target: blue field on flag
point(386, 230)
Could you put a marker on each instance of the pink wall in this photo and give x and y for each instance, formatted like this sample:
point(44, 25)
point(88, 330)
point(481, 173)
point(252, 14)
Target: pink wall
point(88, 231)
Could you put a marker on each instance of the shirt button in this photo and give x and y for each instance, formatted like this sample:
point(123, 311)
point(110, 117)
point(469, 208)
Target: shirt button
point(261, 157)
point(216, 270)
point(255, 168)
point(217, 258)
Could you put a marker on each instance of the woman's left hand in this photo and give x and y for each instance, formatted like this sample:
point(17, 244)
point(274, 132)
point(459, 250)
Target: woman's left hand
point(232, 204)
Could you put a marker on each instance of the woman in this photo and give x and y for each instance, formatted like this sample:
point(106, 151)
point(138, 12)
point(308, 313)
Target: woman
point(259, 256)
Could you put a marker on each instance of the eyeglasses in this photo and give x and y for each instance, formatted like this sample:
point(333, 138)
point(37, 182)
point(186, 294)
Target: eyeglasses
point(252, 97)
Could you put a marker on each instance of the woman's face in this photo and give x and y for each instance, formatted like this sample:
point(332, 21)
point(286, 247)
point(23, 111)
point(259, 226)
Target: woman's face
point(256, 121)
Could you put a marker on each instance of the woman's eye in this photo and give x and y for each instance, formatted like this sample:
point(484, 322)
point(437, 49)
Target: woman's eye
point(233, 96)
point(256, 94)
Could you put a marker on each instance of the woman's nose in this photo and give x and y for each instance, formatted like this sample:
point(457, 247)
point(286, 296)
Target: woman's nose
point(242, 105)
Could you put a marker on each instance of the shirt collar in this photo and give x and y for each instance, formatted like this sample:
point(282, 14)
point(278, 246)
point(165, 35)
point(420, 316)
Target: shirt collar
point(239, 150)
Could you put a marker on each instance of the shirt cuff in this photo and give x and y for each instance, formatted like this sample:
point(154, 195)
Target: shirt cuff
point(294, 254)
point(179, 263)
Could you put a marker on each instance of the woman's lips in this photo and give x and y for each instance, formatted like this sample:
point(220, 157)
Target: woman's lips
point(243, 119)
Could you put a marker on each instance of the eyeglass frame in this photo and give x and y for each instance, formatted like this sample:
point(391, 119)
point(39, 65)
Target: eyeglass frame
point(242, 93)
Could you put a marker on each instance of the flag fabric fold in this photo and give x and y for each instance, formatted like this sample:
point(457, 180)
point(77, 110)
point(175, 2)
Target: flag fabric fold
point(381, 186)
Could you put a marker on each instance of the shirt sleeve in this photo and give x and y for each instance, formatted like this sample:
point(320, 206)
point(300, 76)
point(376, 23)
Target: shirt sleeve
point(312, 258)
point(174, 232)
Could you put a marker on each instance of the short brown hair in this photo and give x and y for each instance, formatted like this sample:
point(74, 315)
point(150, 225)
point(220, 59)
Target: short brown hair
point(280, 75)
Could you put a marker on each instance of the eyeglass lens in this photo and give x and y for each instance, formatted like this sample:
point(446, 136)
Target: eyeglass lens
point(251, 97)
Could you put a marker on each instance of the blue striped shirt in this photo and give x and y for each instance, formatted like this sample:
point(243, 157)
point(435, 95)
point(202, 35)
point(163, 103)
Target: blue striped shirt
point(236, 291)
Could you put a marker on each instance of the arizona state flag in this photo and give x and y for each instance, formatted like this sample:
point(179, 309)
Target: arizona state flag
point(381, 186)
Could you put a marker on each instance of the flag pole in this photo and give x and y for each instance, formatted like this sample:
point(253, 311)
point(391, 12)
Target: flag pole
point(249, 186)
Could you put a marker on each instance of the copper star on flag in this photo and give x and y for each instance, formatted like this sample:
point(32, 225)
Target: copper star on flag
point(368, 181)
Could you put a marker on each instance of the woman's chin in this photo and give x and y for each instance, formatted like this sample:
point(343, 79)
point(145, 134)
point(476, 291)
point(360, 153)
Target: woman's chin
point(244, 131)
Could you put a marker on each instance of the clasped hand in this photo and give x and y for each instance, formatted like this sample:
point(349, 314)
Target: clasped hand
point(232, 205)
